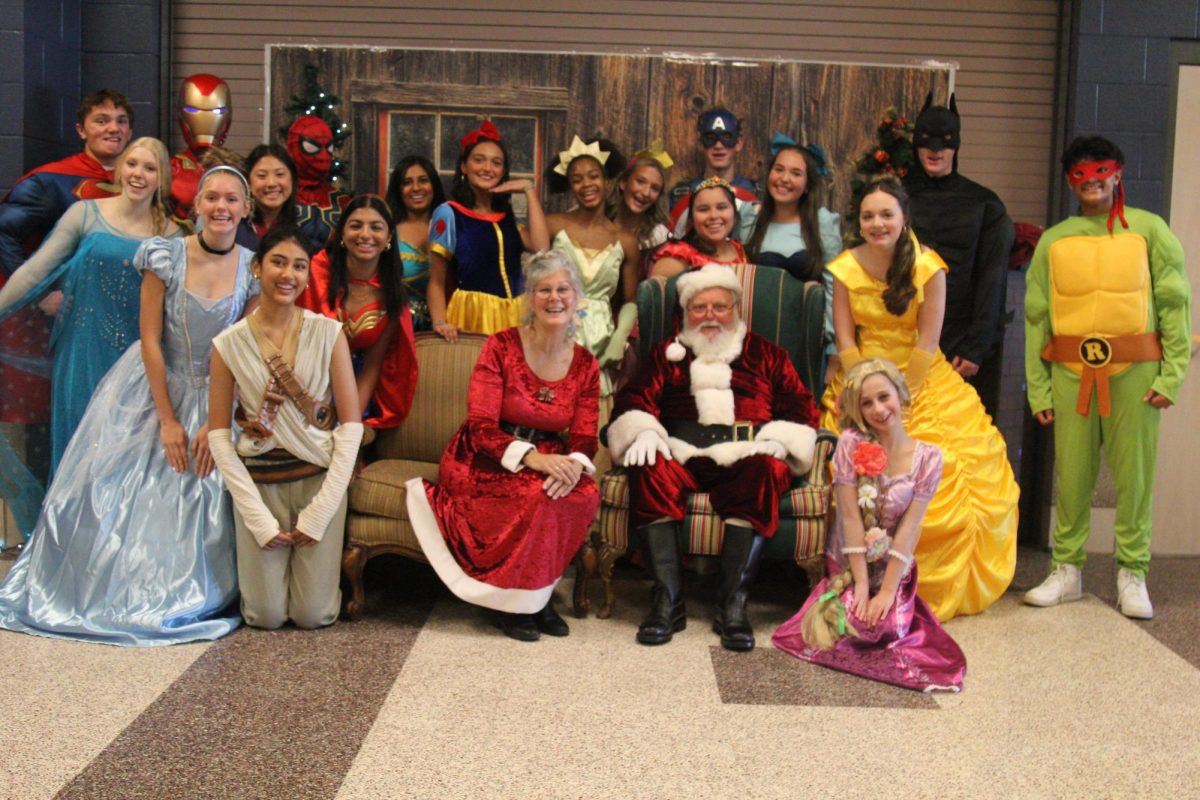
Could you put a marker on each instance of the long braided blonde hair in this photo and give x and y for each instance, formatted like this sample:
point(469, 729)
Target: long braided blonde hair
point(160, 208)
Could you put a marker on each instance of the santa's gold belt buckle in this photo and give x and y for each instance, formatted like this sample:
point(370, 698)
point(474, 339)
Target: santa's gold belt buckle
point(1095, 351)
point(743, 431)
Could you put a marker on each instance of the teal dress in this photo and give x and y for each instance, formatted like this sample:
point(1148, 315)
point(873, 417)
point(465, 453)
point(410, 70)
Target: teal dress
point(416, 283)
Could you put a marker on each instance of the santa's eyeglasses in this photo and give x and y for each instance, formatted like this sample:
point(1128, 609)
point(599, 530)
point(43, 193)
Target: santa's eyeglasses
point(702, 309)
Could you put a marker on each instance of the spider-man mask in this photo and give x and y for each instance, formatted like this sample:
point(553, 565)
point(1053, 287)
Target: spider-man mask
point(310, 144)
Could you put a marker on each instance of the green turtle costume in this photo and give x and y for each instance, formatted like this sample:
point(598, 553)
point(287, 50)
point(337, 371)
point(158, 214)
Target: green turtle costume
point(1107, 318)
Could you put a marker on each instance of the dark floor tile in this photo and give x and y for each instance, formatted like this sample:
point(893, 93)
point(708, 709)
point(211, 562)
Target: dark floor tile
point(766, 676)
point(1173, 583)
point(269, 714)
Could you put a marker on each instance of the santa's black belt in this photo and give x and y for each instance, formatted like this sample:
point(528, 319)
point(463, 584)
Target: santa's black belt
point(698, 435)
point(527, 433)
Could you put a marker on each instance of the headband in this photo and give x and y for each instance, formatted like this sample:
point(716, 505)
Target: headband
point(577, 149)
point(780, 141)
point(224, 168)
point(486, 131)
point(713, 183)
point(656, 152)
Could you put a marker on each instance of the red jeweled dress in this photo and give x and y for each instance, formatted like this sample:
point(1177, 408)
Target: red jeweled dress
point(393, 394)
point(493, 535)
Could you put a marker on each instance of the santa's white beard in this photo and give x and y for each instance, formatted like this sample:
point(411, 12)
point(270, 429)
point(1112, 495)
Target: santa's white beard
point(724, 347)
point(711, 373)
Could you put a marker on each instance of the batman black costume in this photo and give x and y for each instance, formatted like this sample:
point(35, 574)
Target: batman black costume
point(968, 226)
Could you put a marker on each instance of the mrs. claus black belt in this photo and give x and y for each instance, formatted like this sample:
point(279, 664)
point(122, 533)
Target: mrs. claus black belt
point(527, 433)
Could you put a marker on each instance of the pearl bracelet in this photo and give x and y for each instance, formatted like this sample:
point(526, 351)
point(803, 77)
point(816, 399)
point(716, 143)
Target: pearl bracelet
point(896, 554)
point(862, 550)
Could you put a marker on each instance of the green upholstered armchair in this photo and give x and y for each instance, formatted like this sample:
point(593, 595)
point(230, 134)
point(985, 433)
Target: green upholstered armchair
point(791, 314)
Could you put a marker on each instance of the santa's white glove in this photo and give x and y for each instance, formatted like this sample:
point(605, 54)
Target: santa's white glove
point(768, 447)
point(645, 450)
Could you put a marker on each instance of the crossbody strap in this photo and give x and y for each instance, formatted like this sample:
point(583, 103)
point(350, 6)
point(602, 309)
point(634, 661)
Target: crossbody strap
point(318, 414)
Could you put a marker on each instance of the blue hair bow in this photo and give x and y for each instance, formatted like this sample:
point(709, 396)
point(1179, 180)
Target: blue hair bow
point(782, 140)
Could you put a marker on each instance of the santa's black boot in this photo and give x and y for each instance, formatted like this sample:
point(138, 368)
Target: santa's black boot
point(740, 555)
point(660, 550)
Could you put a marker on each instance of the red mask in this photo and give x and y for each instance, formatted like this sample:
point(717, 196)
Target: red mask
point(205, 111)
point(310, 144)
point(1092, 171)
point(1101, 171)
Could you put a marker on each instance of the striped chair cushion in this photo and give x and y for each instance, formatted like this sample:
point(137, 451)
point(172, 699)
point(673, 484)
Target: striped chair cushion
point(802, 513)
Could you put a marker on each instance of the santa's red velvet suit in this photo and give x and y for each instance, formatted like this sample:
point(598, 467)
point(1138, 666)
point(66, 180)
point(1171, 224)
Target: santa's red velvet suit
point(759, 387)
point(737, 423)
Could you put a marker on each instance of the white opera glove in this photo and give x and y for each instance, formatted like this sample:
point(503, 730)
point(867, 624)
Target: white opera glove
point(767, 447)
point(258, 518)
point(645, 450)
point(315, 517)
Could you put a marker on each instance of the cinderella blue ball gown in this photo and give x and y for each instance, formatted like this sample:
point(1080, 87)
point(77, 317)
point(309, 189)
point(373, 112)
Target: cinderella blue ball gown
point(126, 550)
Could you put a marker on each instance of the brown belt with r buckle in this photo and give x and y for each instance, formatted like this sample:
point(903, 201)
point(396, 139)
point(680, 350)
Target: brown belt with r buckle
point(1096, 355)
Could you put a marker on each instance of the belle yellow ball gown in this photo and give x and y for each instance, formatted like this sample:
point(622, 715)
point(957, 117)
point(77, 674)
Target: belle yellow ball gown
point(968, 547)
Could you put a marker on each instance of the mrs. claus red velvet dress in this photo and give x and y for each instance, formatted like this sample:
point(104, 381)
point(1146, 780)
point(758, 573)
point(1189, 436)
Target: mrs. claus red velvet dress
point(493, 535)
point(393, 395)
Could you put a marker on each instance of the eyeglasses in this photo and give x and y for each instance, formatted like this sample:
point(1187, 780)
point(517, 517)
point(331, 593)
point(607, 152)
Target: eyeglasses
point(717, 309)
point(710, 139)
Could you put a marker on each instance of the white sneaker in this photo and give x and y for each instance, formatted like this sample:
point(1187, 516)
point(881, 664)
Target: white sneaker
point(1132, 598)
point(1064, 584)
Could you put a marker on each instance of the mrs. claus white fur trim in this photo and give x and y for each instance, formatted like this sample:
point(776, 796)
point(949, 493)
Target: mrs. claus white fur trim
point(709, 276)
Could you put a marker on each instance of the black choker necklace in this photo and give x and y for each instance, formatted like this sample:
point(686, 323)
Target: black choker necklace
point(204, 246)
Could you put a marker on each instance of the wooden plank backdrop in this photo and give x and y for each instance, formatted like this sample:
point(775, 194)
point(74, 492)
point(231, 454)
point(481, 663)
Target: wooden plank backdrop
point(628, 99)
point(1006, 52)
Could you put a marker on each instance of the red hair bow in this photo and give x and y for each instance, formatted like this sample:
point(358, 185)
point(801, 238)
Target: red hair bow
point(486, 131)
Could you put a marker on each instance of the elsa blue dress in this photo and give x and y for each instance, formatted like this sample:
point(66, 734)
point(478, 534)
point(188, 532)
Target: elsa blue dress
point(91, 261)
point(126, 550)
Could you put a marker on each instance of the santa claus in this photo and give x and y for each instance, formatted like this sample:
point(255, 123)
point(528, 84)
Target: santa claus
point(718, 410)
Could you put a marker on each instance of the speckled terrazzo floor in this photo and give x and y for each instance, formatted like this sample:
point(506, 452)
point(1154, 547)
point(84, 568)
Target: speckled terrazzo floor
point(424, 699)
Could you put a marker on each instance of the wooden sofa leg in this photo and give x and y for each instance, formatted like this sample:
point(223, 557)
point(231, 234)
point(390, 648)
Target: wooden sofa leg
point(585, 569)
point(354, 561)
point(607, 558)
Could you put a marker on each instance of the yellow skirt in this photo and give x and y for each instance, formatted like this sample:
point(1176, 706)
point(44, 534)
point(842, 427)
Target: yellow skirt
point(480, 312)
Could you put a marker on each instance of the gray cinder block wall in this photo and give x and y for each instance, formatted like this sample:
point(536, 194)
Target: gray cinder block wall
point(52, 52)
point(1121, 82)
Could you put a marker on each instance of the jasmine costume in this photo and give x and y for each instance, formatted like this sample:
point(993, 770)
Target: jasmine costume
point(127, 550)
point(416, 284)
point(1107, 318)
point(783, 247)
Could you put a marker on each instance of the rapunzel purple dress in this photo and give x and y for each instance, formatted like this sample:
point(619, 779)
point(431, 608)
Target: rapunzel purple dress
point(908, 647)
